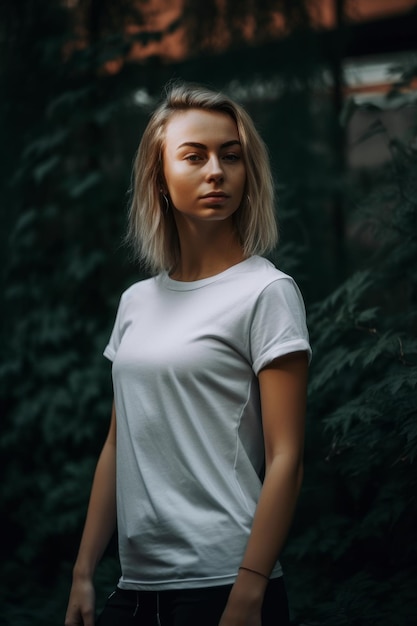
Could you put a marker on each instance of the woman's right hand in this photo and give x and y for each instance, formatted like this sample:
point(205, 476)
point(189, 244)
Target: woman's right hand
point(81, 603)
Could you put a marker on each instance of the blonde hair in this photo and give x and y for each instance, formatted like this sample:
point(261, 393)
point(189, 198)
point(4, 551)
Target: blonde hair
point(152, 229)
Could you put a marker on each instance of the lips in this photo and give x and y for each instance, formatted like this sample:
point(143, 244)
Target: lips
point(215, 194)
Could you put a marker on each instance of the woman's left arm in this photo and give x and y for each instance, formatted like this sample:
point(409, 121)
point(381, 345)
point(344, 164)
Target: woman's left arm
point(283, 389)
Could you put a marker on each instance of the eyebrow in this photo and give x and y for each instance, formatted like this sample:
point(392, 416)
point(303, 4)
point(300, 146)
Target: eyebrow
point(201, 146)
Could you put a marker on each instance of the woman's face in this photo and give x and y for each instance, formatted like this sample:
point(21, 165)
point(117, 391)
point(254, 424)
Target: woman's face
point(203, 165)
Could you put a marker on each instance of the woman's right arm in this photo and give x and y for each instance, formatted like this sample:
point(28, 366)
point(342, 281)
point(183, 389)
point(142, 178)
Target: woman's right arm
point(99, 527)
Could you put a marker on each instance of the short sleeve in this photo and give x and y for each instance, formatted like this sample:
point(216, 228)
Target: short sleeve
point(279, 324)
point(116, 334)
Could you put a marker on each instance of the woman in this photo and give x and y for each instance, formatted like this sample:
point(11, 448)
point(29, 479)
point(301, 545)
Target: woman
point(210, 364)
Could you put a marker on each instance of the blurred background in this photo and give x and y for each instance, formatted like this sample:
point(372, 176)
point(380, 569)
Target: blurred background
point(332, 86)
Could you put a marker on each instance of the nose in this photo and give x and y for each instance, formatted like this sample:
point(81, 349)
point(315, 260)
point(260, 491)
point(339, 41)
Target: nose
point(214, 170)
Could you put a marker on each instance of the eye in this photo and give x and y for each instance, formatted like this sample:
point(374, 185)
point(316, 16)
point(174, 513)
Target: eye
point(193, 157)
point(231, 157)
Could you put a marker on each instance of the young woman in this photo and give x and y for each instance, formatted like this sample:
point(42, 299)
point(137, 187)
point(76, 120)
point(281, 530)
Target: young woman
point(210, 364)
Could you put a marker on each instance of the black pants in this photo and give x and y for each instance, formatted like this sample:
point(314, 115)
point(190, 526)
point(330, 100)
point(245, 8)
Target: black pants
point(187, 607)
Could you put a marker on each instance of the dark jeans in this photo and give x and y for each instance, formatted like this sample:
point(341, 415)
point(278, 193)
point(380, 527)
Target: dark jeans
point(187, 607)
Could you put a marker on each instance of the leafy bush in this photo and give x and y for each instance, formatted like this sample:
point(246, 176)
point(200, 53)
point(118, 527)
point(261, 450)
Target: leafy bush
point(352, 557)
point(68, 129)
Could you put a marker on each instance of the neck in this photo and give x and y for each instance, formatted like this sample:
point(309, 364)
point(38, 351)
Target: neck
point(206, 252)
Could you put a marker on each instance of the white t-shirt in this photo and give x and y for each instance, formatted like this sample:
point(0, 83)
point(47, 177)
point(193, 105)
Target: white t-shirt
point(190, 448)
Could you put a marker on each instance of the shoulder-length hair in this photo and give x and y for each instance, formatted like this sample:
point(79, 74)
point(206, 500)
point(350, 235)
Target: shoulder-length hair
point(152, 229)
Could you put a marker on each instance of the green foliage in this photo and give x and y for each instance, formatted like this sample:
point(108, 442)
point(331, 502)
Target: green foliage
point(71, 133)
point(361, 480)
point(63, 272)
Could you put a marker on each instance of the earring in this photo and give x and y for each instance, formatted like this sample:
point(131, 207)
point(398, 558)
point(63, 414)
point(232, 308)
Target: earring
point(248, 200)
point(166, 202)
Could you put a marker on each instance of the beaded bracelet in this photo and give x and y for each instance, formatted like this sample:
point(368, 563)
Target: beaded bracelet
point(248, 569)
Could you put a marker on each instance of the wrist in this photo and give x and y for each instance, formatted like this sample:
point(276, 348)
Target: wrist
point(249, 588)
point(254, 571)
